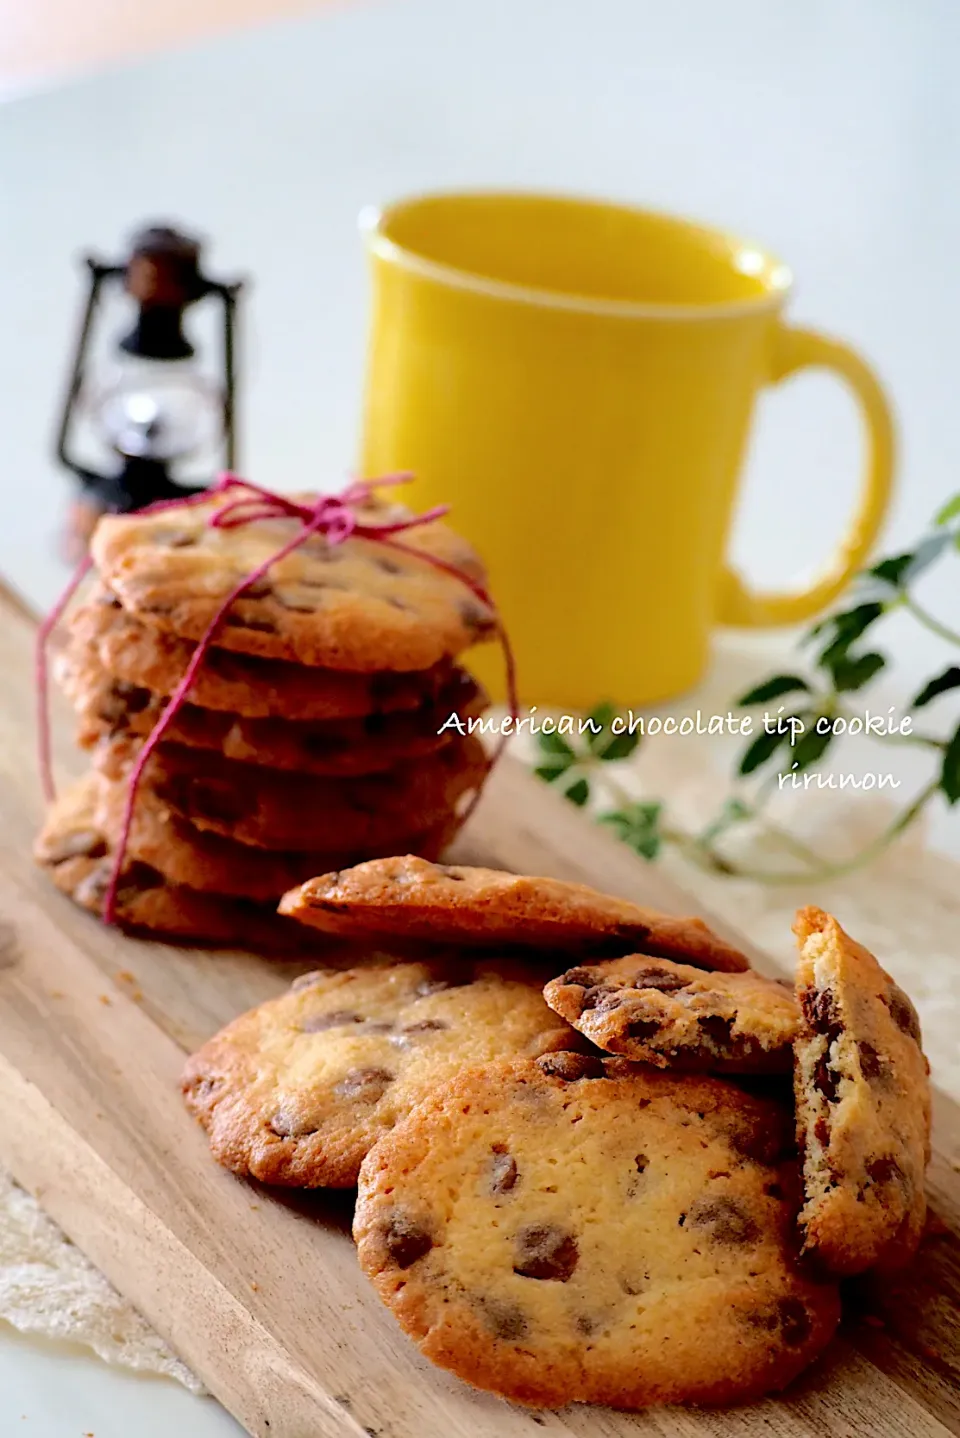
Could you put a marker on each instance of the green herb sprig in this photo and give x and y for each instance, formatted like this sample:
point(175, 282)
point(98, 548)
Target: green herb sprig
point(815, 713)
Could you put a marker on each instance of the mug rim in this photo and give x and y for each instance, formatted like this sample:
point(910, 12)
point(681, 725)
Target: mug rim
point(372, 218)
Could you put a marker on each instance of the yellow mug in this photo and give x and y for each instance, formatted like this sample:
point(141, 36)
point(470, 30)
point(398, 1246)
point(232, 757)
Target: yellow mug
point(577, 379)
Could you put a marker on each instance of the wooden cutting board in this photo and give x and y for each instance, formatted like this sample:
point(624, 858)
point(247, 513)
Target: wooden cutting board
point(260, 1293)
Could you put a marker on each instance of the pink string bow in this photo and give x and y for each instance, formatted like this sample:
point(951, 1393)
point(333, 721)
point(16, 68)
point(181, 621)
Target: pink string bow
point(333, 515)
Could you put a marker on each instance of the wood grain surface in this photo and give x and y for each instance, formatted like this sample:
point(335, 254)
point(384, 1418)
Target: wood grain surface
point(260, 1293)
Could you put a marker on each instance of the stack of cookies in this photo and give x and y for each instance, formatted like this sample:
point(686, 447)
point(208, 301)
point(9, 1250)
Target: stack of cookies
point(312, 735)
point(593, 1185)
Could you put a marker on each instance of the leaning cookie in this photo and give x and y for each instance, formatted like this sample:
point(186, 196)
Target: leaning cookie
point(296, 1091)
point(863, 1104)
point(675, 1016)
point(410, 898)
point(571, 1229)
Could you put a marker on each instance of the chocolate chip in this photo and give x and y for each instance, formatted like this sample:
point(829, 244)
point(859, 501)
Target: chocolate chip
point(583, 977)
point(641, 1162)
point(885, 1170)
point(476, 619)
point(571, 1067)
point(503, 1173)
point(318, 1023)
point(175, 538)
point(825, 1079)
point(788, 1317)
point(80, 844)
point(425, 1026)
point(872, 1064)
point(821, 1012)
point(543, 1251)
point(388, 566)
point(599, 997)
point(794, 1320)
point(821, 1132)
point(260, 589)
point(725, 1219)
point(216, 799)
point(903, 1013)
point(286, 1123)
point(368, 1085)
point(405, 1242)
point(505, 1320)
point(660, 979)
point(643, 1029)
point(716, 1028)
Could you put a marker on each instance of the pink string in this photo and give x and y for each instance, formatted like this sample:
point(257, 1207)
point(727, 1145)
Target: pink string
point(332, 515)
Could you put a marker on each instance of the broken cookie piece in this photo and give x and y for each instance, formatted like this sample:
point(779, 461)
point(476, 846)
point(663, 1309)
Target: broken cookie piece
point(863, 1104)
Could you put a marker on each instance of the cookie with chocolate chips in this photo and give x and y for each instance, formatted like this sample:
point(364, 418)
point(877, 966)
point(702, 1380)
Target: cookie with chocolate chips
point(863, 1104)
point(675, 1016)
point(453, 903)
point(137, 655)
point(277, 810)
point(340, 748)
point(577, 1229)
point(76, 853)
point(296, 1091)
point(360, 605)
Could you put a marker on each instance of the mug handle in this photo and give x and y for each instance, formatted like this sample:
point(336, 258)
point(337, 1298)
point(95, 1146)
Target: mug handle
point(797, 349)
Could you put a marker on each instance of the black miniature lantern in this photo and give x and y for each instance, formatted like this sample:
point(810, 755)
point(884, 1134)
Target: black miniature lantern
point(145, 420)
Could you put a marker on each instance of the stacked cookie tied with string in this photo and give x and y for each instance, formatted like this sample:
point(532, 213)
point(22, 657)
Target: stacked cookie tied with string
point(598, 1158)
point(240, 746)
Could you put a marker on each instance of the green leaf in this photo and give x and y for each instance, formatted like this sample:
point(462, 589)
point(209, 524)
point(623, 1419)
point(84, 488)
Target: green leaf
point(637, 825)
point(578, 792)
point(621, 746)
point(950, 770)
point(809, 748)
point(949, 511)
point(849, 674)
point(601, 717)
point(555, 744)
point(772, 689)
point(949, 679)
point(846, 626)
point(890, 571)
point(552, 772)
point(761, 748)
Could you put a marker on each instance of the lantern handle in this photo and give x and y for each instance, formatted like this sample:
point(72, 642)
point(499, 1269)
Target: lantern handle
point(98, 274)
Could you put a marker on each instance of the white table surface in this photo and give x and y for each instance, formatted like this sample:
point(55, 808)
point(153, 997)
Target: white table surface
point(828, 131)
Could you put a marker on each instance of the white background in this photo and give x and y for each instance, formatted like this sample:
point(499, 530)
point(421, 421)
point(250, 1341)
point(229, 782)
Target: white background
point(828, 131)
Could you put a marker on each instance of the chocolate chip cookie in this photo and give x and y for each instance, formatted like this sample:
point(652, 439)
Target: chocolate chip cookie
point(863, 1104)
point(675, 1016)
point(148, 658)
point(274, 810)
point(213, 864)
point(296, 1091)
point(79, 859)
point(341, 748)
point(361, 605)
point(574, 1229)
point(409, 897)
